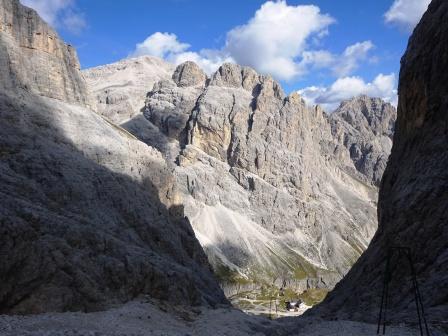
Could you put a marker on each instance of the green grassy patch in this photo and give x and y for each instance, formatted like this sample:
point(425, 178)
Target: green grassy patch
point(244, 304)
point(227, 275)
point(313, 296)
point(299, 273)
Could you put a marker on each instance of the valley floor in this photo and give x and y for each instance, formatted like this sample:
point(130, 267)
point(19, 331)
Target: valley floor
point(147, 318)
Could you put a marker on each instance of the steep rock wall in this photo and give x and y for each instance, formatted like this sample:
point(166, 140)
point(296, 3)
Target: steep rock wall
point(413, 208)
point(32, 56)
point(87, 213)
point(275, 189)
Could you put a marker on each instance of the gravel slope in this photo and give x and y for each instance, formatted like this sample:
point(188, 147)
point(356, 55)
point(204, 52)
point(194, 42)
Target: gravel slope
point(143, 318)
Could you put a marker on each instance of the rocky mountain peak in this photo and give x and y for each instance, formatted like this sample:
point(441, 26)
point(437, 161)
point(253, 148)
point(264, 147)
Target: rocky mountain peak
point(236, 76)
point(295, 98)
point(231, 75)
point(376, 115)
point(253, 168)
point(189, 74)
point(120, 89)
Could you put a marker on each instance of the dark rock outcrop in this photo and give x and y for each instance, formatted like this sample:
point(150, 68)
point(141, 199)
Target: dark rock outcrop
point(87, 216)
point(413, 200)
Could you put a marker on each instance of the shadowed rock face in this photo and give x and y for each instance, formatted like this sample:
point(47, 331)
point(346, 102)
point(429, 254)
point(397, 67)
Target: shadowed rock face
point(269, 183)
point(413, 208)
point(87, 212)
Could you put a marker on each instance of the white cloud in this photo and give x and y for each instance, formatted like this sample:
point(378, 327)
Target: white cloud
point(406, 13)
point(278, 40)
point(341, 65)
point(74, 21)
point(168, 47)
point(208, 60)
point(350, 58)
point(317, 59)
point(48, 9)
point(161, 45)
point(383, 86)
point(273, 42)
point(275, 37)
point(59, 13)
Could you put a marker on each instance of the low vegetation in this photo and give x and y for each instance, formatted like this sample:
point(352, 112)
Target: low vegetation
point(313, 296)
point(226, 275)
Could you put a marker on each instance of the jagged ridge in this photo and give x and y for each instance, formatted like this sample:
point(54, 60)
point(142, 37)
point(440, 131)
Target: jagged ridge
point(268, 183)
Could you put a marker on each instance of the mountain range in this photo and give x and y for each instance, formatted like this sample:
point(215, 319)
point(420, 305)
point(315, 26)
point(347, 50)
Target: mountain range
point(276, 191)
point(145, 178)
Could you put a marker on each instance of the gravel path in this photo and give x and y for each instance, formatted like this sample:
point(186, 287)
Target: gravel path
point(145, 318)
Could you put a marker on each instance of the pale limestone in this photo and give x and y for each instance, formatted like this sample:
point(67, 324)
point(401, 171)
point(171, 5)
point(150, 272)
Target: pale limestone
point(268, 182)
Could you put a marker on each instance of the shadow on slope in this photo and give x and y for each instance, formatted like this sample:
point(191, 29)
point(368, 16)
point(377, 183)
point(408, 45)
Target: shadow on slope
point(76, 234)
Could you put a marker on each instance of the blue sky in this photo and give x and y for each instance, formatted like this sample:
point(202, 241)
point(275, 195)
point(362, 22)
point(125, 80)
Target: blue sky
point(327, 49)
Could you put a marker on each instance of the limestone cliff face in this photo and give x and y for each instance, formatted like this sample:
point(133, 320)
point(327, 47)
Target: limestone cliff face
point(88, 216)
point(413, 209)
point(33, 56)
point(269, 184)
point(366, 127)
point(263, 186)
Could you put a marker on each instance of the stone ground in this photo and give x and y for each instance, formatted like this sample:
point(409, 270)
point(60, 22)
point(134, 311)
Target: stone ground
point(144, 317)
